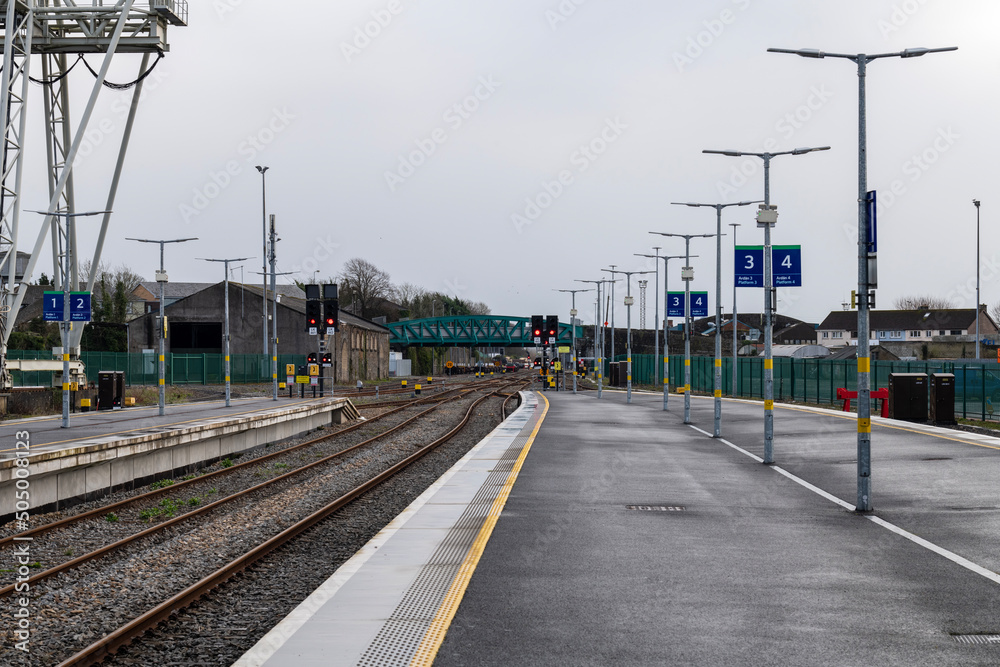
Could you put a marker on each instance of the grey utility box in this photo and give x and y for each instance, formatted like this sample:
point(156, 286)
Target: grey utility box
point(943, 398)
point(908, 396)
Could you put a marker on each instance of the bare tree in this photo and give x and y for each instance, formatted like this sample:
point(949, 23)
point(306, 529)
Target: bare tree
point(407, 293)
point(479, 308)
point(995, 312)
point(921, 302)
point(364, 285)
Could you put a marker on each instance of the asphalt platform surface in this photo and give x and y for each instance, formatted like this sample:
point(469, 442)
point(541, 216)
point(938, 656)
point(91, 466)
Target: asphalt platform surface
point(631, 538)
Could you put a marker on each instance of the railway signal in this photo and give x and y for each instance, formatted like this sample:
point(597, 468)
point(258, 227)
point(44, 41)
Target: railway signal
point(536, 328)
point(313, 315)
point(552, 327)
point(331, 308)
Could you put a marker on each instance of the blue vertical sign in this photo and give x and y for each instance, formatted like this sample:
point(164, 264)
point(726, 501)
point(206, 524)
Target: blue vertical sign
point(675, 304)
point(872, 220)
point(749, 265)
point(699, 304)
point(79, 306)
point(52, 307)
point(786, 265)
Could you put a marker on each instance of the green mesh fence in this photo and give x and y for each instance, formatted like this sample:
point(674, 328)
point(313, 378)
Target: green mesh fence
point(143, 369)
point(977, 385)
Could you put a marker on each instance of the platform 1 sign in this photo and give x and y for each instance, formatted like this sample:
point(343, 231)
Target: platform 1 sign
point(786, 266)
point(699, 304)
point(79, 307)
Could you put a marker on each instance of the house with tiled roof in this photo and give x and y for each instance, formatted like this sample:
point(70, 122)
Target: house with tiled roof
point(840, 327)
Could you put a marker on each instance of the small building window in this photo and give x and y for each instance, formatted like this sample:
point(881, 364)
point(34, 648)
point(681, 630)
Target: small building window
point(826, 334)
point(956, 332)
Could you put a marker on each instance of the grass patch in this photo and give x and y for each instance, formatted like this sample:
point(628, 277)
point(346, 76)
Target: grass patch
point(168, 508)
point(161, 484)
point(226, 462)
point(111, 518)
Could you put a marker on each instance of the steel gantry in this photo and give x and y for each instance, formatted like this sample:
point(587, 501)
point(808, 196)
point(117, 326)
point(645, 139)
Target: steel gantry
point(54, 31)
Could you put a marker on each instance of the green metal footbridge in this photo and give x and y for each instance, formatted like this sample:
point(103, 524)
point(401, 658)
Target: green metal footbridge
point(470, 331)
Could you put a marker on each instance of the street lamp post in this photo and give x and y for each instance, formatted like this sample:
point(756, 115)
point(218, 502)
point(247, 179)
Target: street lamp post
point(687, 275)
point(978, 298)
point(717, 389)
point(263, 189)
point(768, 294)
point(628, 335)
point(65, 238)
point(864, 502)
point(734, 225)
point(572, 324)
point(161, 278)
point(598, 336)
point(226, 306)
point(613, 317)
point(666, 347)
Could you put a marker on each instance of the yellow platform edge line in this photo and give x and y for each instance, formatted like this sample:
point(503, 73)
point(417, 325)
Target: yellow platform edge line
point(434, 637)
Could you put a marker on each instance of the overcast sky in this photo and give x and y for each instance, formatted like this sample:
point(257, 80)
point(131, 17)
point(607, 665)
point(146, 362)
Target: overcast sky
point(499, 150)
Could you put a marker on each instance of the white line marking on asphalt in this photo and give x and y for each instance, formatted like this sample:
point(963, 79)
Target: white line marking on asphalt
point(930, 546)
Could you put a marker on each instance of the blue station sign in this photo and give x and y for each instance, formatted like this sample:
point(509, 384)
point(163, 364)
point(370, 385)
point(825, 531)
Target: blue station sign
point(699, 304)
point(79, 307)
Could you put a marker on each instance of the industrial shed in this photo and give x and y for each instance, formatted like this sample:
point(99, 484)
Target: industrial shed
point(195, 325)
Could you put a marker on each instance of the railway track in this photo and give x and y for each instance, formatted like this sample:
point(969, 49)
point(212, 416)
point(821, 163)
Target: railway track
point(165, 536)
point(175, 486)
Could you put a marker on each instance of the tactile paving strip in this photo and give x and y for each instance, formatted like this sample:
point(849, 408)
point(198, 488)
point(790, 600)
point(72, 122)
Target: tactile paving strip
point(400, 637)
point(977, 639)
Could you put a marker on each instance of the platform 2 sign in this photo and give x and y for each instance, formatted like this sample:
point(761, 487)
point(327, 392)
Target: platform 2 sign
point(79, 307)
point(699, 304)
point(786, 266)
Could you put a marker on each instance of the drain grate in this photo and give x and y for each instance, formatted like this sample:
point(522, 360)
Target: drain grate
point(977, 639)
point(656, 508)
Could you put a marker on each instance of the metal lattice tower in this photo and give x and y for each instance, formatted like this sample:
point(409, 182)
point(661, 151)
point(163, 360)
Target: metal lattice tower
point(642, 304)
point(51, 31)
